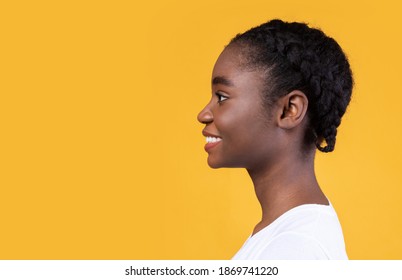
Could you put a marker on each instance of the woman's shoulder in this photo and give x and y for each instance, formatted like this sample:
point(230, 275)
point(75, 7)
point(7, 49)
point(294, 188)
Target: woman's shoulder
point(309, 231)
point(303, 219)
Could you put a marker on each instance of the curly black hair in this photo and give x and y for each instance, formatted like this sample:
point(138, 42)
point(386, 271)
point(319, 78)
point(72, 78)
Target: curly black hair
point(298, 57)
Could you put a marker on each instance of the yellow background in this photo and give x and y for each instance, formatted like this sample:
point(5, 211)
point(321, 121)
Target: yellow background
point(101, 156)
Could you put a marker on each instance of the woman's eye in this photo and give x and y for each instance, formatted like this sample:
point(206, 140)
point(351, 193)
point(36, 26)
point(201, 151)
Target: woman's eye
point(221, 98)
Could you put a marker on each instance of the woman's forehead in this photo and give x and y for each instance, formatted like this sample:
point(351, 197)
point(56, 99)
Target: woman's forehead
point(229, 63)
point(230, 70)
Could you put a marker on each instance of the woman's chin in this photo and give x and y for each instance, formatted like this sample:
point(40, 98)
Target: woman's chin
point(214, 163)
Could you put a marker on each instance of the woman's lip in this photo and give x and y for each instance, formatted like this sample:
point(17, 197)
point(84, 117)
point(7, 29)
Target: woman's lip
point(206, 134)
point(209, 146)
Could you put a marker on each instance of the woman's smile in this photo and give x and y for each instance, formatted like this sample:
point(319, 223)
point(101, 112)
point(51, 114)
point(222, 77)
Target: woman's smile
point(212, 140)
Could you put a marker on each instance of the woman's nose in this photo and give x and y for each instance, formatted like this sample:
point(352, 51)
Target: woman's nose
point(205, 116)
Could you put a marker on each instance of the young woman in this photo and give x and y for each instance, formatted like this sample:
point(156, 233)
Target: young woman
point(279, 91)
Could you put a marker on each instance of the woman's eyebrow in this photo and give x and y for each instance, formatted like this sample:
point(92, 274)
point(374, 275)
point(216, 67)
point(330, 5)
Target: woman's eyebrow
point(222, 80)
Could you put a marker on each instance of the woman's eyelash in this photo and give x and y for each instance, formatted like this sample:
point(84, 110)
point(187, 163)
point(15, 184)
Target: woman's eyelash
point(221, 97)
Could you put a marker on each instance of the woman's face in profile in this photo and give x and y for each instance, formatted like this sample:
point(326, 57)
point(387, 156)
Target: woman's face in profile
point(238, 130)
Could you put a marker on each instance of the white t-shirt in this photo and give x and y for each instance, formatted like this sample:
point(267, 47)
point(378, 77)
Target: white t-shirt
point(306, 232)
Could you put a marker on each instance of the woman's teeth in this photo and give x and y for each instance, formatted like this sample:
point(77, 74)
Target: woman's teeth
point(213, 139)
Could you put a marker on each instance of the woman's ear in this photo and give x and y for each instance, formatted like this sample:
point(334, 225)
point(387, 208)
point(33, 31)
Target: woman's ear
point(293, 108)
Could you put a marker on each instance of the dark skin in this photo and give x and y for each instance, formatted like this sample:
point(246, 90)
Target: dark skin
point(268, 144)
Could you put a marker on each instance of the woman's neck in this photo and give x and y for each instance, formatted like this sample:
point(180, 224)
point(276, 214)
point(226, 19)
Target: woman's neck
point(283, 186)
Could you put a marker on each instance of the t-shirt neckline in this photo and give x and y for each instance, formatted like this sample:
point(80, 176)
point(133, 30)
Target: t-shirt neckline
point(289, 212)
